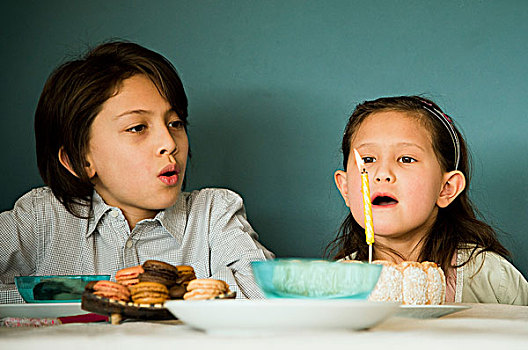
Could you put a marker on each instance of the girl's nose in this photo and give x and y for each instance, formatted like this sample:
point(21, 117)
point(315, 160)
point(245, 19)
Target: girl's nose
point(387, 179)
point(384, 173)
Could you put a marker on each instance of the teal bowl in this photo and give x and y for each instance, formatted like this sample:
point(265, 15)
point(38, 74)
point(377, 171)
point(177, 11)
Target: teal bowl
point(54, 289)
point(315, 279)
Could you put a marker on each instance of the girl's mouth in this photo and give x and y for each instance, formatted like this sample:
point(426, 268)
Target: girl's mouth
point(384, 200)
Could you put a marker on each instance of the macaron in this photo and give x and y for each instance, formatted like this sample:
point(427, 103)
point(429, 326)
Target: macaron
point(129, 276)
point(109, 289)
point(177, 291)
point(159, 272)
point(185, 274)
point(205, 288)
point(149, 293)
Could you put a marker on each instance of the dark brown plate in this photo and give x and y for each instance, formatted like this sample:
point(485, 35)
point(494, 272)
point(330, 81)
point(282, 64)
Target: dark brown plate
point(109, 307)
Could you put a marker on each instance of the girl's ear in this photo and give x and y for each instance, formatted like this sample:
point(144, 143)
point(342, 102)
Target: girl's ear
point(454, 184)
point(65, 161)
point(341, 182)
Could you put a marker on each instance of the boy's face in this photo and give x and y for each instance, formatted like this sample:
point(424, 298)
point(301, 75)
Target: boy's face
point(405, 176)
point(137, 151)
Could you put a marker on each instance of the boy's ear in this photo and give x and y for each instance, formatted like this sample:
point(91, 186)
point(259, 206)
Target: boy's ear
point(341, 182)
point(454, 184)
point(65, 161)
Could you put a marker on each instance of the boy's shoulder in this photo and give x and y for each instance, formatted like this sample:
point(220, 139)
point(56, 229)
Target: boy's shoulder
point(36, 196)
point(212, 195)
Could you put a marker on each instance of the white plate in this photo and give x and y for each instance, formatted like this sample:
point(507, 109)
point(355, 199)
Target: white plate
point(41, 310)
point(278, 315)
point(429, 311)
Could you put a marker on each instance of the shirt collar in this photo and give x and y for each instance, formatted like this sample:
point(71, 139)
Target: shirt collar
point(173, 219)
point(99, 208)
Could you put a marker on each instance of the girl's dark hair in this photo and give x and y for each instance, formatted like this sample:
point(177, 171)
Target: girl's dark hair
point(456, 225)
point(73, 96)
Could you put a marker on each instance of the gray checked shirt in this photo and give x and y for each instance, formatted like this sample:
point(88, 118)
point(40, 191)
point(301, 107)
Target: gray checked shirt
point(206, 229)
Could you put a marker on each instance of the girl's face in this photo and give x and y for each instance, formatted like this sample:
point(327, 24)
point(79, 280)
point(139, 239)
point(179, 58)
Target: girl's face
point(137, 151)
point(405, 176)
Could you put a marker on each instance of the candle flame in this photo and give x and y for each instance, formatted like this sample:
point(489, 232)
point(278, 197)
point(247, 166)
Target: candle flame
point(359, 161)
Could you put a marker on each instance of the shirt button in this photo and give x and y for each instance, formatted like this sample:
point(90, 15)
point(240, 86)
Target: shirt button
point(114, 213)
point(129, 244)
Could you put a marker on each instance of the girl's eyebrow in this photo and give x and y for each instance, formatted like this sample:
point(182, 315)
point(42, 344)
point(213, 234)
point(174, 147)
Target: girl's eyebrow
point(410, 144)
point(399, 144)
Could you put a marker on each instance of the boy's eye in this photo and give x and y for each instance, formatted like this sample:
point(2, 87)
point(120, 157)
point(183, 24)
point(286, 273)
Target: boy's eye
point(137, 128)
point(369, 160)
point(407, 159)
point(177, 124)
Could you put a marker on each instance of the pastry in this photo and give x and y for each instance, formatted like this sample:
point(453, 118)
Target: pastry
point(177, 291)
point(389, 286)
point(129, 276)
point(109, 289)
point(205, 288)
point(149, 293)
point(185, 274)
point(159, 272)
point(410, 283)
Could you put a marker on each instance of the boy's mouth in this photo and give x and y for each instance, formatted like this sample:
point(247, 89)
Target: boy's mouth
point(384, 200)
point(169, 174)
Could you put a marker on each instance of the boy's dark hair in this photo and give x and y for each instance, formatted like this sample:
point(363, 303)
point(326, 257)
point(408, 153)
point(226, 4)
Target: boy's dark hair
point(73, 96)
point(456, 225)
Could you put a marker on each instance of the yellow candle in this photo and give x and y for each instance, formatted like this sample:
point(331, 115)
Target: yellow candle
point(367, 208)
point(367, 205)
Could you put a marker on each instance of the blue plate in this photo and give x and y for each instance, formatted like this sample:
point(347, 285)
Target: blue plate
point(54, 289)
point(315, 279)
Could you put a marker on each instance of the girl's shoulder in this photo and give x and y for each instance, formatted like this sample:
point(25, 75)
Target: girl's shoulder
point(489, 277)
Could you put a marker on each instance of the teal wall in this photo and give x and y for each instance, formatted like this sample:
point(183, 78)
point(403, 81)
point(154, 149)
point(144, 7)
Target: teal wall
point(271, 85)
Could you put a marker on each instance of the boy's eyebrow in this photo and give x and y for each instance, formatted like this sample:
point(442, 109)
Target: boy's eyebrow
point(143, 111)
point(133, 111)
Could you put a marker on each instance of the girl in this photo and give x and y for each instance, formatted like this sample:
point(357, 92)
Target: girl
point(418, 169)
point(112, 148)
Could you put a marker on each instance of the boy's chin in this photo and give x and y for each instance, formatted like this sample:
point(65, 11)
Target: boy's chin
point(167, 201)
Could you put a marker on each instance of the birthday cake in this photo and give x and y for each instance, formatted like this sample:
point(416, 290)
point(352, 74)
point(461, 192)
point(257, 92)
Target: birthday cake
point(410, 283)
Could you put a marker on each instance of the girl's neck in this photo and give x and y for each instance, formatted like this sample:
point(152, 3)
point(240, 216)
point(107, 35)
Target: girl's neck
point(399, 249)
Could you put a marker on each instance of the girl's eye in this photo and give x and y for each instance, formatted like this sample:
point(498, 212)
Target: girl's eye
point(407, 159)
point(177, 124)
point(137, 128)
point(369, 160)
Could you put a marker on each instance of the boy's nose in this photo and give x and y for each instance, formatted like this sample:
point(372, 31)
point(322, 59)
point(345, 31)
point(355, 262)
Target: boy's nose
point(167, 145)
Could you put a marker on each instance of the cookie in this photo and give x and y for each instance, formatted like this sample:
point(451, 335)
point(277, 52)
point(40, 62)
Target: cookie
point(109, 289)
point(205, 288)
point(159, 272)
point(149, 293)
point(185, 274)
point(129, 276)
point(208, 283)
point(177, 291)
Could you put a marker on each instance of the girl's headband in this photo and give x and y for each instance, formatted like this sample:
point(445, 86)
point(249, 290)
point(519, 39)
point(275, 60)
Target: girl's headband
point(448, 123)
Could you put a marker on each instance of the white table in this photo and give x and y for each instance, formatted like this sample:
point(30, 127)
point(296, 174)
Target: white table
point(484, 326)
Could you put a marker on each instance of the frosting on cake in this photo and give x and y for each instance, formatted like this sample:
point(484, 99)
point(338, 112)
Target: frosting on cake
point(411, 283)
